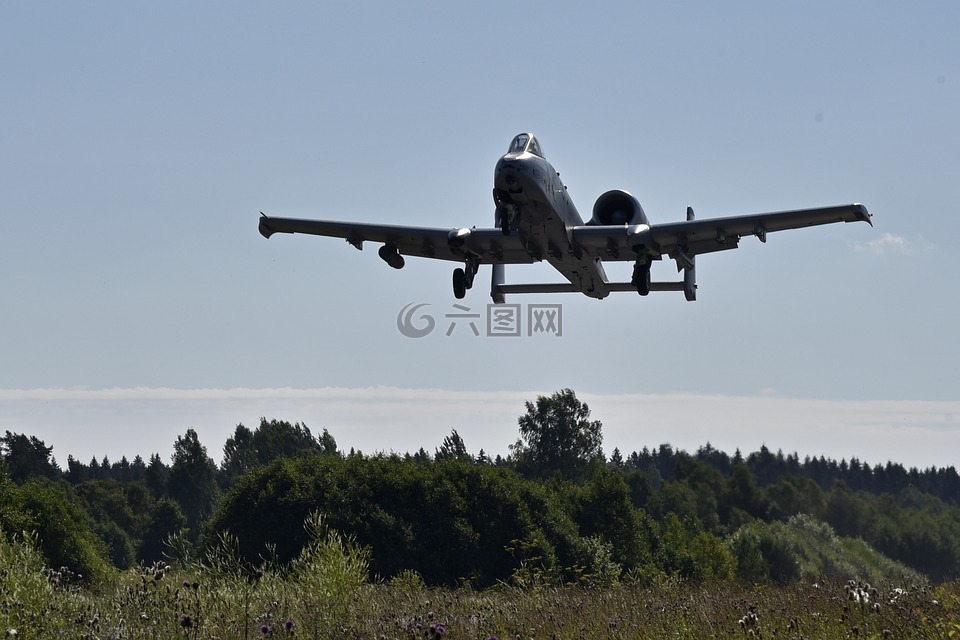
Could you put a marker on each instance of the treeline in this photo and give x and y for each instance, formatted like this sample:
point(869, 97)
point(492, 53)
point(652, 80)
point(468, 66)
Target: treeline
point(554, 509)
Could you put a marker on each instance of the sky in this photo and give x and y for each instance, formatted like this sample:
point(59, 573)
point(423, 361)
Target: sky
point(139, 142)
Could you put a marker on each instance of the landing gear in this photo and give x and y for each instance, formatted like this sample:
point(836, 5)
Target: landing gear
point(506, 215)
point(459, 283)
point(463, 278)
point(641, 276)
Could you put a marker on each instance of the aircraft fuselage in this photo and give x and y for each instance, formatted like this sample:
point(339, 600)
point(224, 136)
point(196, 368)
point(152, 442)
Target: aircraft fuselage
point(528, 189)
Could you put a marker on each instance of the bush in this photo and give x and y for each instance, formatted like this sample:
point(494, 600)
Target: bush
point(25, 590)
point(63, 535)
point(328, 573)
point(449, 521)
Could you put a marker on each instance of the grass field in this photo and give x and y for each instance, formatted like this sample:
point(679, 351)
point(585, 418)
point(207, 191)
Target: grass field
point(161, 602)
point(326, 593)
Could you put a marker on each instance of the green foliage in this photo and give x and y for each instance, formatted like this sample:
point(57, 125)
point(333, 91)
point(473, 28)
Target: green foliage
point(914, 528)
point(317, 592)
point(329, 571)
point(223, 597)
point(27, 457)
point(193, 481)
point(764, 554)
point(552, 513)
point(447, 520)
point(271, 440)
point(453, 448)
point(25, 590)
point(13, 519)
point(804, 547)
point(535, 563)
point(119, 548)
point(239, 455)
point(408, 580)
point(673, 552)
point(166, 521)
point(602, 508)
point(712, 558)
point(601, 569)
point(557, 436)
point(63, 533)
point(792, 495)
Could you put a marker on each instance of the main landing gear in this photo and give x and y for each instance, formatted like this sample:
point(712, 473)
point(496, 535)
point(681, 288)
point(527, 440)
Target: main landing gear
point(641, 276)
point(463, 278)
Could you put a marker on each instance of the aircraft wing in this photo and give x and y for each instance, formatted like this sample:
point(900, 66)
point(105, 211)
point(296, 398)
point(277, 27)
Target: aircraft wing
point(427, 242)
point(692, 237)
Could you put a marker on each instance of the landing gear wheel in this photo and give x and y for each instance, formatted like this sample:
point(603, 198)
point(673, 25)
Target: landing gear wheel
point(505, 224)
point(641, 278)
point(459, 284)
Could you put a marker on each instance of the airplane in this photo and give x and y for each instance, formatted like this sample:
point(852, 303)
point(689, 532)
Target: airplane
point(536, 220)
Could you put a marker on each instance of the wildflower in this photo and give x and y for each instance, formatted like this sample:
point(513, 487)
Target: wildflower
point(289, 625)
point(12, 633)
point(265, 628)
point(186, 622)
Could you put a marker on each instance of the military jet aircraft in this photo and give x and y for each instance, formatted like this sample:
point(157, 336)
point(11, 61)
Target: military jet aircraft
point(536, 220)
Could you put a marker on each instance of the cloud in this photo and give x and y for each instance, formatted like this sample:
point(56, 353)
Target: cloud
point(891, 244)
point(144, 420)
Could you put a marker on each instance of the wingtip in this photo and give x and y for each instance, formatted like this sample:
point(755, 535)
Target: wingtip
point(264, 226)
point(864, 214)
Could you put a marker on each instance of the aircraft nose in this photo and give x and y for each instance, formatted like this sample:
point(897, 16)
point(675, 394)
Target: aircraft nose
point(506, 173)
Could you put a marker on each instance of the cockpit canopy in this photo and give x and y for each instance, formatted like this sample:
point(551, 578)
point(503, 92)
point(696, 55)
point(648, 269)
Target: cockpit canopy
point(526, 142)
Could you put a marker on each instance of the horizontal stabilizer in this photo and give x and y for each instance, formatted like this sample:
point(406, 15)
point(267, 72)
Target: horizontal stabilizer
point(566, 287)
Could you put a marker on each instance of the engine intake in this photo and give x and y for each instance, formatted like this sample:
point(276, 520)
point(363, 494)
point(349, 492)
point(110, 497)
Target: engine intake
point(617, 207)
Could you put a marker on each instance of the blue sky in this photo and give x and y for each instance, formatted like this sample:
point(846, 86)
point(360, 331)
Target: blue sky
point(139, 143)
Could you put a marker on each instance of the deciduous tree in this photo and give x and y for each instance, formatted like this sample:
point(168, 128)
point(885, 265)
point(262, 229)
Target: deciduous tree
point(557, 435)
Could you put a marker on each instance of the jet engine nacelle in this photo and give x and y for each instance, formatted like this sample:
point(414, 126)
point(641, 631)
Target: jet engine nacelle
point(617, 207)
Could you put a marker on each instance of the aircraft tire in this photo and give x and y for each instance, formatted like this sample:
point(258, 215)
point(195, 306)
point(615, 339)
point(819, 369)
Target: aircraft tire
point(642, 276)
point(459, 284)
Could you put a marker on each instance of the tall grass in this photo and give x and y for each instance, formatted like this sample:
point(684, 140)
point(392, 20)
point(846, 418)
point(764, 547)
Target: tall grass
point(325, 593)
point(26, 587)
